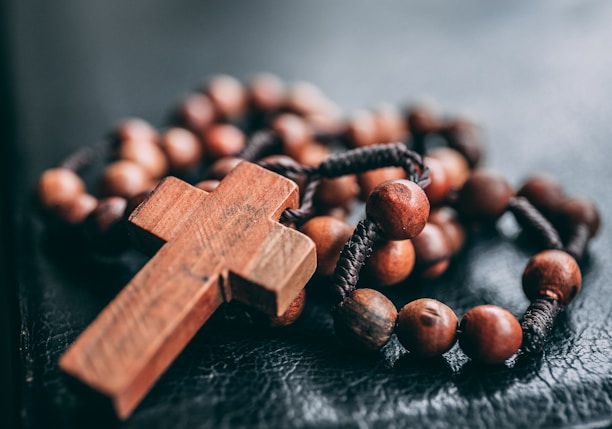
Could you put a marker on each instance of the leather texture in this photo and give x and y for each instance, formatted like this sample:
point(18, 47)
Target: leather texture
point(537, 76)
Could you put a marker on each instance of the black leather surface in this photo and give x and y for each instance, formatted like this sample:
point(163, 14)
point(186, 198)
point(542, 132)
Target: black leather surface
point(537, 76)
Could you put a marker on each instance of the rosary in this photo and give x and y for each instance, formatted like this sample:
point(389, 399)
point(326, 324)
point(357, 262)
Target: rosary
point(272, 210)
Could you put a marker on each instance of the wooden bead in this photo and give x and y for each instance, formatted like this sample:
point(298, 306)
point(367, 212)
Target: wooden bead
point(292, 313)
point(147, 153)
point(78, 209)
point(227, 95)
point(440, 186)
point(390, 126)
point(337, 192)
point(293, 131)
point(362, 129)
point(182, 148)
point(125, 179)
point(421, 120)
point(207, 185)
point(456, 166)
point(446, 219)
point(365, 318)
point(135, 201)
point(312, 154)
point(400, 208)
point(223, 140)
point(489, 334)
point(305, 98)
point(544, 192)
point(288, 162)
point(576, 211)
point(59, 187)
point(432, 251)
point(465, 136)
point(135, 129)
point(391, 262)
point(485, 196)
point(196, 112)
point(267, 92)
point(104, 228)
point(371, 179)
point(552, 274)
point(426, 327)
point(222, 167)
point(329, 235)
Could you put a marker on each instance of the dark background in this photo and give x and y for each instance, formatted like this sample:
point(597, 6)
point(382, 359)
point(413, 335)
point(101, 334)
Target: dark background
point(538, 77)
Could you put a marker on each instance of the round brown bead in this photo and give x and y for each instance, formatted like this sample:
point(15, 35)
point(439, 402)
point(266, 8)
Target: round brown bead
point(371, 179)
point(146, 153)
point(78, 209)
point(390, 126)
point(182, 148)
point(267, 92)
point(292, 313)
point(294, 133)
point(485, 195)
point(455, 164)
point(465, 136)
point(306, 98)
point(222, 167)
point(197, 113)
point(432, 251)
point(337, 192)
point(544, 192)
point(426, 327)
point(446, 219)
point(135, 129)
point(207, 185)
point(580, 211)
point(312, 154)
point(552, 274)
point(227, 95)
point(365, 318)
point(104, 228)
point(440, 185)
point(223, 140)
point(489, 334)
point(421, 120)
point(59, 187)
point(362, 129)
point(400, 208)
point(329, 235)
point(126, 179)
point(391, 262)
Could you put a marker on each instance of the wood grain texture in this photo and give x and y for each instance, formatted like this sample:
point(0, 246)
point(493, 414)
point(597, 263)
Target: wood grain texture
point(220, 245)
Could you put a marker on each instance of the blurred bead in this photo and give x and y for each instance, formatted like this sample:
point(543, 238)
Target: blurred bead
point(400, 208)
point(544, 192)
point(59, 187)
point(104, 228)
point(456, 166)
point(222, 167)
point(362, 129)
point(125, 179)
point(207, 185)
point(196, 112)
point(329, 235)
point(464, 136)
point(78, 209)
point(338, 192)
point(440, 185)
point(485, 196)
point(489, 334)
point(390, 126)
point(391, 262)
point(227, 95)
point(267, 92)
point(421, 120)
point(575, 211)
point(446, 219)
point(304, 98)
point(294, 133)
point(135, 129)
point(426, 327)
point(312, 154)
point(365, 318)
point(292, 313)
point(432, 251)
point(145, 153)
point(183, 149)
point(371, 179)
point(552, 274)
point(223, 140)
point(135, 201)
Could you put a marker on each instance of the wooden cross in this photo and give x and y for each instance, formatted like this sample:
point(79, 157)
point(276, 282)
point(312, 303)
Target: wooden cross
point(219, 246)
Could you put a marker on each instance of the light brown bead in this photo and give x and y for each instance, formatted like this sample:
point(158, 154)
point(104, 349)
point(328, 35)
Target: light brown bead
point(446, 219)
point(456, 166)
point(222, 167)
point(440, 186)
point(485, 196)
point(126, 179)
point(544, 192)
point(338, 192)
point(400, 208)
point(208, 185)
point(432, 251)
point(391, 262)
point(576, 211)
point(426, 327)
point(362, 129)
point(489, 334)
point(390, 126)
point(294, 132)
point(365, 318)
point(77, 211)
point(135, 129)
point(59, 187)
point(182, 148)
point(329, 235)
point(552, 274)
point(197, 113)
point(371, 179)
point(104, 228)
point(223, 140)
point(147, 153)
point(292, 313)
point(267, 92)
point(227, 95)
point(306, 98)
point(312, 154)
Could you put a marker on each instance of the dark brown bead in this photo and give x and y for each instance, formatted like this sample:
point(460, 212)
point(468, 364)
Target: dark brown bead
point(197, 113)
point(421, 120)
point(446, 219)
point(485, 196)
point(390, 126)
point(391, 262)
point(489, 334)
point(267, 92)
point(59, 188)
point(426, 327)
point(456, 166)
point(227, 95)
point(223, 140)
point(365, 318)
point(135, 201)
point(544, 192)
point(183, 149)
point(400, 208)
point(338, 192)
point(135, 129)
point(579, 211)
point(104, 228)
point(371, 179)
point(440, 185)
point(292, 313)
point(77, 211)
point(294, 132)
point(222, 167)
point(464, 135)
point(329, 235)
point(552, 274)
point(208, 185)
point(362, 129)
point(125, 179)
point(432, 251)
point(146, 153)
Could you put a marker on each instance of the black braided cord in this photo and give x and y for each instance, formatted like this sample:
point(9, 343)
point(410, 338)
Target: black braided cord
point(87, 155)
point(260, 144)
point(537, 323)
point(532, 220)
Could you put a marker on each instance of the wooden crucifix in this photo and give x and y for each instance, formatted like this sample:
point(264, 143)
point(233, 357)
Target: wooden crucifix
point(219, 246)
